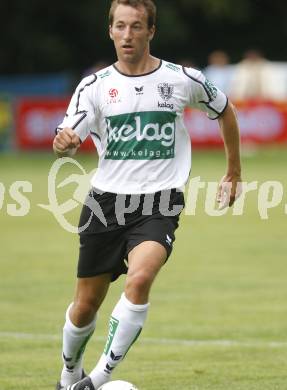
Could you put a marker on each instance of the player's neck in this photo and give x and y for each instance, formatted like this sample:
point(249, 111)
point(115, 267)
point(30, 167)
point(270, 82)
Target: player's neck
point(146, 65)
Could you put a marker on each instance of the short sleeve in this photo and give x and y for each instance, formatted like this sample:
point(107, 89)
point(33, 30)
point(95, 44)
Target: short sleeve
point(204, 95)
point(80, 115)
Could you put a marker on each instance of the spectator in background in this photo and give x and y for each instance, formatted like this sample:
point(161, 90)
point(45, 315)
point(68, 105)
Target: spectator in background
point(219, 70)
point(257, 78)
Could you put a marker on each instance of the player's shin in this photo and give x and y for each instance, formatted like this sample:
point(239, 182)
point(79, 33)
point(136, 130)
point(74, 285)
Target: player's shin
point(126, 323)
point(74, 342)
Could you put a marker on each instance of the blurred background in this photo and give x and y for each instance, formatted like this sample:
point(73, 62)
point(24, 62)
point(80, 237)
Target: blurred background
point(47, 47)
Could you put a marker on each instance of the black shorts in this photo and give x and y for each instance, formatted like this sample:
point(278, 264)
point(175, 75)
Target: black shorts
point(110, 234)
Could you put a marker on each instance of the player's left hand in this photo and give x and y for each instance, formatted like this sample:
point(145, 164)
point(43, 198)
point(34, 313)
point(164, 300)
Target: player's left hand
point(230, 188)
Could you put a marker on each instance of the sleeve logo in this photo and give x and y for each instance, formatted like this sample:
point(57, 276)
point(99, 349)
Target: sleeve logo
point(211, 89)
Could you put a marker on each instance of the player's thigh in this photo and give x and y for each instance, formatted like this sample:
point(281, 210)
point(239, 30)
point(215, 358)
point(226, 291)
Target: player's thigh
point(150, 244)
point(146, 259)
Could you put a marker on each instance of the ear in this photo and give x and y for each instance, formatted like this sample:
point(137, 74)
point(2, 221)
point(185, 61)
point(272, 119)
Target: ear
point(111, 33)
point(151, 33)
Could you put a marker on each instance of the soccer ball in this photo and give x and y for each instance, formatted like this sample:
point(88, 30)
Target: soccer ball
point(118, 385)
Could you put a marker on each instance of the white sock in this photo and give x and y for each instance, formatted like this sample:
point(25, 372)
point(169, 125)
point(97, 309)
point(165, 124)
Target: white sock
point(74, 343)
point(126, 323)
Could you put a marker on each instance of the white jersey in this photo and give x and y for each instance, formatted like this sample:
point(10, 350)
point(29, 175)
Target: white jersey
point(137, 125)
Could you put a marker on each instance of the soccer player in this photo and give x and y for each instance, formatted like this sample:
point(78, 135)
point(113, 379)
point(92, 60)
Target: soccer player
point(133, 111)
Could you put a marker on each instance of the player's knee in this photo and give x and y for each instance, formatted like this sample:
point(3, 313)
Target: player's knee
point(84, 311)
point(139, 282)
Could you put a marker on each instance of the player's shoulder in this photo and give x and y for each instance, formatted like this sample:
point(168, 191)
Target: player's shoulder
point(172, 71)
point(95, 78)
point(183, 72)
point(171, 67)
point(86, 83)
point(193, 74)
point(105, 73)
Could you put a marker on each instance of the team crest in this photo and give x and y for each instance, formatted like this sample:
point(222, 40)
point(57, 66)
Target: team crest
point(165, 90)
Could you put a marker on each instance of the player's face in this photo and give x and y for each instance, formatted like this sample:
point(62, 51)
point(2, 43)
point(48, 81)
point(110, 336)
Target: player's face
point(130, 33)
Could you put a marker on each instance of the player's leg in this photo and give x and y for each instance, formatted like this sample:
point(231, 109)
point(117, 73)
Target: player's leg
point(80, 324)
point(129, 315)
point(145, 260)
point(148, 244)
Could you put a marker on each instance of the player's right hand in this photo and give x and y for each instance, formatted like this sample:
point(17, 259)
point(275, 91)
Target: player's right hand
point(66, 140)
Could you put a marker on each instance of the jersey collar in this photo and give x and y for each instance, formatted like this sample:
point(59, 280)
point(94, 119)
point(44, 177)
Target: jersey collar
point(138, 75)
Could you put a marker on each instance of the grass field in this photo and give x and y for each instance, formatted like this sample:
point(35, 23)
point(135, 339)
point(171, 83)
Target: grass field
point(218, 316)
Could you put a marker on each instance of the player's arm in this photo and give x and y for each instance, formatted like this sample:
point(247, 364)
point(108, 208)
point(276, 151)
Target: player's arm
point(230, 133)
point(79, 118)
point(208, 98)
point(66, 143)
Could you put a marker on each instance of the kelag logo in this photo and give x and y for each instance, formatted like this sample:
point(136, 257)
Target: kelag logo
point(141, 136)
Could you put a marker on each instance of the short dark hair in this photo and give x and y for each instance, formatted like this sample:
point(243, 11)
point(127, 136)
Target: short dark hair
point(148, 5)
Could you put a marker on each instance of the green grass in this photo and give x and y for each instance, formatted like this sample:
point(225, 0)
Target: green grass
point(225, 281)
